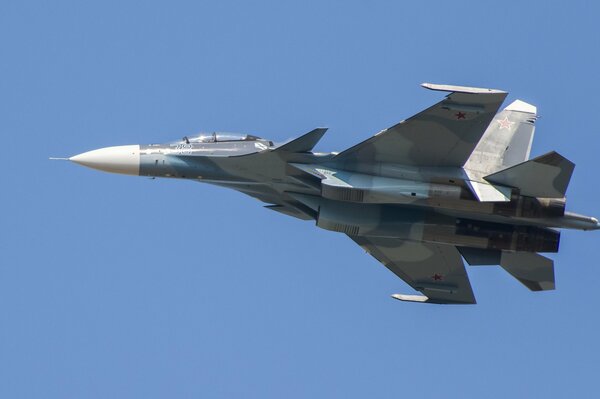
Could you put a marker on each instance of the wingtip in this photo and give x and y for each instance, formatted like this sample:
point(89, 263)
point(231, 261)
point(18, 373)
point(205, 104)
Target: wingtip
point(461, 89)
point(410, 298)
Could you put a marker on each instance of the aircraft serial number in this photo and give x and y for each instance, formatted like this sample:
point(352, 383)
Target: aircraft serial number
point(183, 149)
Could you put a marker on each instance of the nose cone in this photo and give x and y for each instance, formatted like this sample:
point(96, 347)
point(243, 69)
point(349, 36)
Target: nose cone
point(123, 159)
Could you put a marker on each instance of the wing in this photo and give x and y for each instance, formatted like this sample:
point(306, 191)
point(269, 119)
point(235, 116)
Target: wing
point(436, 270)
point(443, 135)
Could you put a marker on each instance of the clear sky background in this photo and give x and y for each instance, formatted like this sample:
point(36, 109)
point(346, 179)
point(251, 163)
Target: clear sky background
point(115, 286)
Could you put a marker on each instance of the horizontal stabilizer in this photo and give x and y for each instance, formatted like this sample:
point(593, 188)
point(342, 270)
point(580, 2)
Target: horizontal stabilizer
point(303, 143)
point(480, 256)
point(546, 176)
point(534, 271)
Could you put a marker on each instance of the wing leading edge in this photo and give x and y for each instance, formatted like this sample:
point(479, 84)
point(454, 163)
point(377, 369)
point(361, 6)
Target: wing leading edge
point(436, 270)
point(442, 135)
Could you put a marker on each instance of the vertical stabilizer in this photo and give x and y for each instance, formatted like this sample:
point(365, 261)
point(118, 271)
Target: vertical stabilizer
point(507, 140)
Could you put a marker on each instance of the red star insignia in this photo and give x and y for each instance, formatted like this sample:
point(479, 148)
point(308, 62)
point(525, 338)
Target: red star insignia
point(460, 115)
point(437, 277)
point(504, 123)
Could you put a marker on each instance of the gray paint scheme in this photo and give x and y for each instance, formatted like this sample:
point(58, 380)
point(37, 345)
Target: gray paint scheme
point(545, 176)
point(452, 180)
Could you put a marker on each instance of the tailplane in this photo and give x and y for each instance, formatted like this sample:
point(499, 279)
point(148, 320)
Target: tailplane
point(546, 176)
point(533, 270)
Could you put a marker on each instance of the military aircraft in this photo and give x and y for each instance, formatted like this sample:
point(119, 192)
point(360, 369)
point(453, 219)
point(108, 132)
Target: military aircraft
point(451, 182)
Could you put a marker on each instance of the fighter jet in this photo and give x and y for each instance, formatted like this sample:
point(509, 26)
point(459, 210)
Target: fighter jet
point(452, 182)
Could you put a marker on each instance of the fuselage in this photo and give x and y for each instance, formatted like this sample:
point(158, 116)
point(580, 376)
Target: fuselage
point(384, 200)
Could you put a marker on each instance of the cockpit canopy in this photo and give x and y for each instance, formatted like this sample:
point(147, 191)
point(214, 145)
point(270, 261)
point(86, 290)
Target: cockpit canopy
point(219, 137)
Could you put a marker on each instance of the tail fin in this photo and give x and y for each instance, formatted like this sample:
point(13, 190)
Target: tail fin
point(546, 176)
point(507, 140)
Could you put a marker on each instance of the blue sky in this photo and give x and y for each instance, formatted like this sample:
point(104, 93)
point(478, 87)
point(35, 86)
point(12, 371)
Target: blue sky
point(116, 286)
